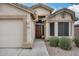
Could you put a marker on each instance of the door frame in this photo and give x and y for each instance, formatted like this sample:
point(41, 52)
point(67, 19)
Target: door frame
point(42, 36)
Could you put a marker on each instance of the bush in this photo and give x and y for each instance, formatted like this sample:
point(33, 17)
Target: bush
point(65, 43)
point(54, 41)
point(76, 40)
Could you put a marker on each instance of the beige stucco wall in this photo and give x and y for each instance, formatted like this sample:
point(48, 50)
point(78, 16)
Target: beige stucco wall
point(7, 9)
point(41, 11)
point(57, 19)
point(10, 11)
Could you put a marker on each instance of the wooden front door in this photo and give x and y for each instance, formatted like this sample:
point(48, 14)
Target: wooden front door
point(38, 33)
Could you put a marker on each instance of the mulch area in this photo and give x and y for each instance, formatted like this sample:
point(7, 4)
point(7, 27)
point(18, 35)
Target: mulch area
point(56, 51)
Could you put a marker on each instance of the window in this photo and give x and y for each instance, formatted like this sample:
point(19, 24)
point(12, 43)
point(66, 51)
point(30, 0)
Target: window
point(51, 29)
point(63, 29)
point(41, 17)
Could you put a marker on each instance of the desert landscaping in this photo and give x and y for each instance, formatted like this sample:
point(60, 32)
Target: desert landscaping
point(57, 51)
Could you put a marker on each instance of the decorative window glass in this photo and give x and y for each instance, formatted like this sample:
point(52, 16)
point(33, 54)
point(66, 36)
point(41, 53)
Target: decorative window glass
point(41, 17)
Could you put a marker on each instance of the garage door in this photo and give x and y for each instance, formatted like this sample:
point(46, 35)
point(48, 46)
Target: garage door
point(11, 33)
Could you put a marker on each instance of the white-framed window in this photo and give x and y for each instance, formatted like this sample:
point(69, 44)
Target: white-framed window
point(63, 28)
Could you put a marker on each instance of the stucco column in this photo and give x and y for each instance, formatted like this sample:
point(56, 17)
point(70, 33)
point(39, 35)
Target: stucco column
point(47, 32)
point(72, 30)
point(24, 32)
point(56, 29)
point(28, 37)
point(70, 26)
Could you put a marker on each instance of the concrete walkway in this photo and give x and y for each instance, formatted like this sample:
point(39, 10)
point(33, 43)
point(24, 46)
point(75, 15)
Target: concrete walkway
point(39, 49)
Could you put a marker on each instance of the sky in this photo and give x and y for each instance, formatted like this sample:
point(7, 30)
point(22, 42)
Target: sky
point(52, 5)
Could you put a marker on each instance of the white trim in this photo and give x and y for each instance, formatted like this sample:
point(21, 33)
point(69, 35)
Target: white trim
point(70, 34)
point(55, 28)
point(72, 30)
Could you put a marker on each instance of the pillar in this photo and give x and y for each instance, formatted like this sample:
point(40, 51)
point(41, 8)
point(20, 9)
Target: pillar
point(47, 32)
point(70, 26)
point(56, 29)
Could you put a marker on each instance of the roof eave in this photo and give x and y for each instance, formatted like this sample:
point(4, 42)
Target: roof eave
point(24, 9)
point(59, 11)
point(43, 6)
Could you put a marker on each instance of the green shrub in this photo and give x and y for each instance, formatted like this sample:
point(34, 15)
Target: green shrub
point(54, 41)
point(65, 43)
point(76, 40)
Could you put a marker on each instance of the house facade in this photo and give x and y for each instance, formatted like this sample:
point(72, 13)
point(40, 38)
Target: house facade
point(20, 25)
point(60, 23)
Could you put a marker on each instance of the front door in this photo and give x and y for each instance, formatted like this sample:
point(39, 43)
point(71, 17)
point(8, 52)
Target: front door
point(38, 31)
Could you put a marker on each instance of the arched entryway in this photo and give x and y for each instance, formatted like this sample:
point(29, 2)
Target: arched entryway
point(39, 29)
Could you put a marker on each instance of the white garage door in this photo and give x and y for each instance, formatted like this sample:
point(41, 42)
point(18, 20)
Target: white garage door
point(11, 33)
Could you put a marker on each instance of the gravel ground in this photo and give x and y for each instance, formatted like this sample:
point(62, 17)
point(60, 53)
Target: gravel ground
point(56, 51)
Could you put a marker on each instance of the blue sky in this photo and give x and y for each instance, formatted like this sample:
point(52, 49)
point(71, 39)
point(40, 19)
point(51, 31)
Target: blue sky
point(53, 5)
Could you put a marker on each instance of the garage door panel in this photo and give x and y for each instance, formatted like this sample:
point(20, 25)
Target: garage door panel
point(11, 33)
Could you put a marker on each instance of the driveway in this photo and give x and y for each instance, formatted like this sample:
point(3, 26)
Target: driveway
point(39, 49)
